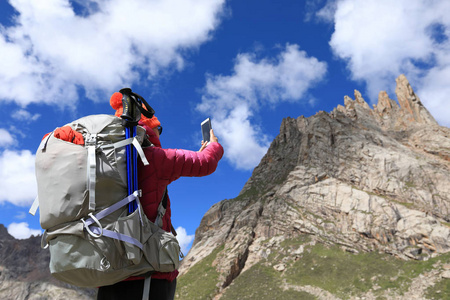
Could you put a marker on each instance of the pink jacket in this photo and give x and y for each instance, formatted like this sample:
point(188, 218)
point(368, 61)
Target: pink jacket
point(165, 166)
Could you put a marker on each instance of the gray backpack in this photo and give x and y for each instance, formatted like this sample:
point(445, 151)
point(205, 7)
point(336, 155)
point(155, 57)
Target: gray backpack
point(82, 195)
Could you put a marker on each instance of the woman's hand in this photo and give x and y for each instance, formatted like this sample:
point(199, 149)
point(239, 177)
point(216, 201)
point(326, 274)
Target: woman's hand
point(212, 139)
point(203, 146)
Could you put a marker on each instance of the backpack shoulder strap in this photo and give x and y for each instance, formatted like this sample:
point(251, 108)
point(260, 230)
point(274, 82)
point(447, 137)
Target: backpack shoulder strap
point(162, 211)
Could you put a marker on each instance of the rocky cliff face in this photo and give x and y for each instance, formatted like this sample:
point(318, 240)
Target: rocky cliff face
point(24, 272)
point(364, 180)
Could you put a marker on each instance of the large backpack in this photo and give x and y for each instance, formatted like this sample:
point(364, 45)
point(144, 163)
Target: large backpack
point(82, 191)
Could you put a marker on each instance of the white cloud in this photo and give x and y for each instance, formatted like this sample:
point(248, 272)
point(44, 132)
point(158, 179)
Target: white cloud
point(184, 239)
point(21, 215)
point(18, 183)
point(6, 138)
point(326, 13)
point(233, 101)
point(50, 51)
point(22, 231)
point(381, 39)
point(24, 115)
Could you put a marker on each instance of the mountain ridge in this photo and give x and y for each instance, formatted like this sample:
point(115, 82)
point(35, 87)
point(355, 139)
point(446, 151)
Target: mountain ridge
point(366, 180)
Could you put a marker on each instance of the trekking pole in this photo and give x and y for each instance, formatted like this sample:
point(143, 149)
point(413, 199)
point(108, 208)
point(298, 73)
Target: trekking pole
point(132, 109)
point(130, 119)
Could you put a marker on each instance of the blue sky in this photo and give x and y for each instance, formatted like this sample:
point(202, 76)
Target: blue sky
point(246, 64)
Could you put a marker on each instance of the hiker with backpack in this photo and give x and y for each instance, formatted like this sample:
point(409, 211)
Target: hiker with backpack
point(165, 166)
point(99, 232)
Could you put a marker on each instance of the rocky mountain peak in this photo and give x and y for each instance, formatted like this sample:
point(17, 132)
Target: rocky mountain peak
point(359, 178)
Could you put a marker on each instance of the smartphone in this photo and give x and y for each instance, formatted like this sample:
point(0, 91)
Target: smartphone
point(206, 128)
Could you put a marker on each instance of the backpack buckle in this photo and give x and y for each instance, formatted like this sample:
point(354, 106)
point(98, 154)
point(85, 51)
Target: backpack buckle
point(105, 264)
point(91, 139)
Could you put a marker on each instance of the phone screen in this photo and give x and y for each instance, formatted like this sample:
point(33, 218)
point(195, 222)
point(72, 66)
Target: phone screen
point(206, 128)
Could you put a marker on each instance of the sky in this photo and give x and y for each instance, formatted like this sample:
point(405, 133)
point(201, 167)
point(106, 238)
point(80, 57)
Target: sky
point(245, 64)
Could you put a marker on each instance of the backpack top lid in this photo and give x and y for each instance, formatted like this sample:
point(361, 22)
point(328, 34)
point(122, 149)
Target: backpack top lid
point(62, 170)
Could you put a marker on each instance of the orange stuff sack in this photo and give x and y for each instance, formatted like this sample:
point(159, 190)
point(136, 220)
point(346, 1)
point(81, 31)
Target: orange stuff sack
point(67, 134)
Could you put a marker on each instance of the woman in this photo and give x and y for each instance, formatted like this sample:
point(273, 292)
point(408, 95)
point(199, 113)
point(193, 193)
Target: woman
point(165, 166)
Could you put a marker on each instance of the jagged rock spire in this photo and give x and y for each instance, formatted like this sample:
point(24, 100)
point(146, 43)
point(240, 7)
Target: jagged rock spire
point(387, 113)
point(410, 103)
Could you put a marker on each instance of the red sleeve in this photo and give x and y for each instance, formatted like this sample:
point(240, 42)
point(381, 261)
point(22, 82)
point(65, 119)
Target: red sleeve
point(171, 164)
